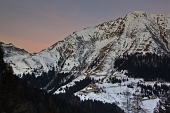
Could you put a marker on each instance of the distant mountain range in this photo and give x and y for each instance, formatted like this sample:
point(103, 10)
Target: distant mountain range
point(92, 53)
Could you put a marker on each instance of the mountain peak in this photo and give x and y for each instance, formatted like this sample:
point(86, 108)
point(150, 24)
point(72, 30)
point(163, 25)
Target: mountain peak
point(136, 32)
point(139, 12)
point(94, 53)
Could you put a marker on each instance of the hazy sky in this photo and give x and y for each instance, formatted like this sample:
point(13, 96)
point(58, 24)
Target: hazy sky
point(37, 24)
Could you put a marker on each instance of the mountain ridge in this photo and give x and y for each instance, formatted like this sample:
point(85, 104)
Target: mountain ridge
point(136, 32)
point(102, 62)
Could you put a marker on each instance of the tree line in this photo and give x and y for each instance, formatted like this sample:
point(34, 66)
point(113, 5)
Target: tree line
point(48, 80)
point(149, 66)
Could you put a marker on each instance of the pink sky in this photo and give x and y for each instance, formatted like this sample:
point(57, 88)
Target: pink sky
point(37, 24)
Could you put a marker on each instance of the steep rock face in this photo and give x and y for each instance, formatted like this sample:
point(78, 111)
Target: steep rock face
point(93, 50)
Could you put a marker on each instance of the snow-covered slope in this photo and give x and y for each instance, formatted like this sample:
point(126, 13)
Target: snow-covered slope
point(92, 52)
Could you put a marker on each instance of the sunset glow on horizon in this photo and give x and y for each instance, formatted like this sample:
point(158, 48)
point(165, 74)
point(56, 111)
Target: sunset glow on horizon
point(37, 24)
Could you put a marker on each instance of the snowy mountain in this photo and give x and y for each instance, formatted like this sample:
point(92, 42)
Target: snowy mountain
point(136, 32)
point(92, 52)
